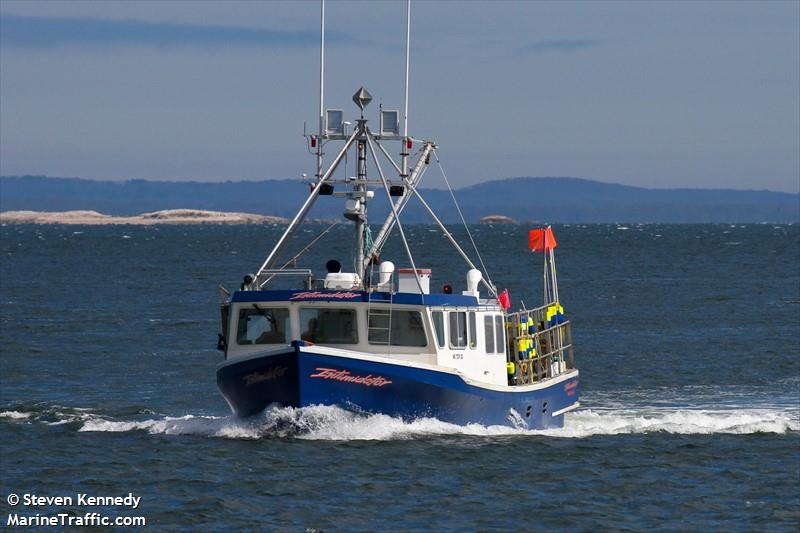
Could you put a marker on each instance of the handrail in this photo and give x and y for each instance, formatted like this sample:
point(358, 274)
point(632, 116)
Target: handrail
point(534, 310)
point(270, 273)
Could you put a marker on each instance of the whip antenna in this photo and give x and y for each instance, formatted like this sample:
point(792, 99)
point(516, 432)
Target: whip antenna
point(406, 143)
point(321, 85)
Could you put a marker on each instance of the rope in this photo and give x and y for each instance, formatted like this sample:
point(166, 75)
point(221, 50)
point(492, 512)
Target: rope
point(460, 214)
point(367, 238)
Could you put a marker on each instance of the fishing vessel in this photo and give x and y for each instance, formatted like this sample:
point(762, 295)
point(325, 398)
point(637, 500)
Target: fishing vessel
point(376, 337)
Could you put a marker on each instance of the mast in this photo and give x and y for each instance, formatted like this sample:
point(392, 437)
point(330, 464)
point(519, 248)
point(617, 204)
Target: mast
point(356, 206)
point(359, 194)
point(361, 188)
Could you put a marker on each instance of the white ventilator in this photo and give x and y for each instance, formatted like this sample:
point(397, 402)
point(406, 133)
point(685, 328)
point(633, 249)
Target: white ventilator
point(474, 277)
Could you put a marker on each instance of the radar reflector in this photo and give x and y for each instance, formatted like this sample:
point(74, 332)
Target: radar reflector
point(362, 98)
point(390, 122)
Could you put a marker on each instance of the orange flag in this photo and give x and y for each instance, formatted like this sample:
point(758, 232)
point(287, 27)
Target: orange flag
point(504, 299)
point(541, 240)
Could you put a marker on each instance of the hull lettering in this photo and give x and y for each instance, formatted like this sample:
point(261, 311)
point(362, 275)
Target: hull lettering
point(315, 295)
point(347, 377)
point(267, 375)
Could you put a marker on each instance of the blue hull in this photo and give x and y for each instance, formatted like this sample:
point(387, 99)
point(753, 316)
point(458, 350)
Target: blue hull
point(297, 377)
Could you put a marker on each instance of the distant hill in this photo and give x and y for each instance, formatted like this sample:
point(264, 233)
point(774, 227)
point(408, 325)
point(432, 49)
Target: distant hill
point(541, 199)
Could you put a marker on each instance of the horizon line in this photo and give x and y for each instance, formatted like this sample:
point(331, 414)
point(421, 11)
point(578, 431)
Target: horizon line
point(257, 180)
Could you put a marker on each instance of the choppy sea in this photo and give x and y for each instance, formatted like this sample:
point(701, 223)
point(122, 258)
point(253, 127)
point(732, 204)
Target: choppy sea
point(687, 338)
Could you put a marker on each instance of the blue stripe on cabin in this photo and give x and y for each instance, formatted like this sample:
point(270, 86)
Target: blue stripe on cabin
point(341, 295)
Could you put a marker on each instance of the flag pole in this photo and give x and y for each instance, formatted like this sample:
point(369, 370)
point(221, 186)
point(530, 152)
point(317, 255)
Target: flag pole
point(553, 268)
point(546, 296)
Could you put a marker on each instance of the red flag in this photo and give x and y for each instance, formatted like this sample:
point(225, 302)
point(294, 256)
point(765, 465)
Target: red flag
point(504, 299)
point(541, 240)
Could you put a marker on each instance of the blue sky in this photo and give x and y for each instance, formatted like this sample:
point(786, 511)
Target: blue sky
point(656, 94)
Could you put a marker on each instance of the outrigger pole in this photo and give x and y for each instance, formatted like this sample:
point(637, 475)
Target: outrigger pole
point(306, 206)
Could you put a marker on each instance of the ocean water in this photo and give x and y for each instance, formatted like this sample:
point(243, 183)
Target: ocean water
point(687, 338)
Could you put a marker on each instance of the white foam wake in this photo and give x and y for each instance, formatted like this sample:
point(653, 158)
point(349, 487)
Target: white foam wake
point(680, 421)
point(183, 425)
point(308, 423)
point(333, 423)
point(15, 415)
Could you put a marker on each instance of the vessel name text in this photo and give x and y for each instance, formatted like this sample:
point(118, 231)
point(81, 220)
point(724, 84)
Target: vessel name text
point(311, 295)
point(346, 376)
point(267, 375)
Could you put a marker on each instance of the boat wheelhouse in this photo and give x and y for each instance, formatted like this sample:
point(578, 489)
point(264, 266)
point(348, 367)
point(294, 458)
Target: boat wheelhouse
point(377, 339)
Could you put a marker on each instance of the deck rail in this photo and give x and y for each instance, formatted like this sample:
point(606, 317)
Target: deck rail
point(268, 274)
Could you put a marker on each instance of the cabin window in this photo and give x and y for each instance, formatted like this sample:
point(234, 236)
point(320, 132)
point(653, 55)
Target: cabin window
point(328, 326)
point(438, 325)
point(263, 325)
point(473, 331)
point(488, 333)
point(406, 328)
point(498, 328)
point(458, 329)
point(225, 312)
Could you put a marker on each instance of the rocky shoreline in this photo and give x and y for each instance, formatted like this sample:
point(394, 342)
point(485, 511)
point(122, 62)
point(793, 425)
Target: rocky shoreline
point(169, 216)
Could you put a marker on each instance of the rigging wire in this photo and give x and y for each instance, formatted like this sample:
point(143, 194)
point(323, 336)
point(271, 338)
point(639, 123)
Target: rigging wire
point(460, 214)
point(396, 217)
point(301, 252)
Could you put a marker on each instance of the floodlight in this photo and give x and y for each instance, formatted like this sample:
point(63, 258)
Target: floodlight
point(390, 122)
point(334, 122)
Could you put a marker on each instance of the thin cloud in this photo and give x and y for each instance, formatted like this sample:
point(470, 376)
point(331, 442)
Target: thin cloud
point(557, 45)
point(52, 32)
